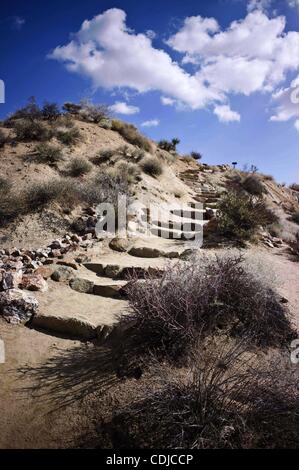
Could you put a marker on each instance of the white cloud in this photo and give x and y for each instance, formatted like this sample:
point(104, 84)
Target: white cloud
point(262, 5)
point(287, 102)
point(120, 107)
point(251, 55)
point(18, 22)
point(152, 123)
point(225, 114)
point(167, 101)
point(296, 125)
point(113, 56)
point(293, 3)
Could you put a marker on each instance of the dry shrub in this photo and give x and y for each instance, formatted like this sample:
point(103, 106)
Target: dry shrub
point(127, 171)
point(239, 216)
point(151, 166)
point(253, 185)
point(199, 297)
point(48, 154)
point(103, 187)
point(229, 399)
point(68, 135)
point(27, 130)
point(78, 166)
point(131, 135)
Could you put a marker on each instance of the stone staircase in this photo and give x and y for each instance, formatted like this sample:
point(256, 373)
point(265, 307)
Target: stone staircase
point(89, 303)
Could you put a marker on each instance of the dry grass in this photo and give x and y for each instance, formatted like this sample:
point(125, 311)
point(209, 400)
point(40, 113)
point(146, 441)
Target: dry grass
point(48, 153)
point(132, 135)
point(78, 166)
point(151, 166)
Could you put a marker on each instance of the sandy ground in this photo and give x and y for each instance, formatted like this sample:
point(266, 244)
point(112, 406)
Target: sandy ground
point(54, 412)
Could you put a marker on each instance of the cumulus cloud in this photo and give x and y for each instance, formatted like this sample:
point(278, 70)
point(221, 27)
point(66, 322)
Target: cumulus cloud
point(251, 55)
point(120, 107)
point(287, 102)
point(151, 123)
point(113, 56)
point(225, 114)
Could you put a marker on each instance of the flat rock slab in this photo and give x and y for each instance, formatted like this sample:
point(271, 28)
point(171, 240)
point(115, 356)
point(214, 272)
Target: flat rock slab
point(76, 315)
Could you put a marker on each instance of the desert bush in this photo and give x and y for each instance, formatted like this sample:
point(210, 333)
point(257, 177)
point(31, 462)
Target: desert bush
point(3, 139)
point(5, 185)
point(68, 136)
point(93, 112)
point(253, 185)
point(239, 216)
point(28, 130)
point(196, 155)
point(50, 111)
point(194, 299)
point(78, 166)
point(295, 187)
point(131, 135)
point(41, 194)
point(128, 171)
point(295, 217)
point(268, 177)
point(71, 108)
point(29, 112)
point(47, 153)
point(151, 166)
point(104, 187)
point(169, 146)
point(225, 400)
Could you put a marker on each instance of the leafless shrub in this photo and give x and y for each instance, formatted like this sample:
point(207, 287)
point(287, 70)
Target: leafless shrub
point(93, 112)
point(199, 297)
point(229, 399)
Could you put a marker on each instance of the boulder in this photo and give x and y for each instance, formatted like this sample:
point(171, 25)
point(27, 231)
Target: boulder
point(46, 271)
point(82, 285)
point(119, 244)
point(34, 282)
point(10, 279)
point(17, 306)
point(62, 274)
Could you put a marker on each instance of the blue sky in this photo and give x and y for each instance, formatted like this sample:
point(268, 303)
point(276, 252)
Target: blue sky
point(217, 74)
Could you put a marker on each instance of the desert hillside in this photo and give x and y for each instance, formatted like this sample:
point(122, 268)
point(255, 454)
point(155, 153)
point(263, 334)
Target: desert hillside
point(88, 320)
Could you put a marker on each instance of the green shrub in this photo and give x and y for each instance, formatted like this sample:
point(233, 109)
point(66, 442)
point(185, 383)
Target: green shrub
point(79, 166)
point(131, 135)
point(48, 154)
point(68, 136)
point(28, 130)
point(196, 155)
point(253, 185)
point(239, 216)
point(169, 146)
point(151, 166)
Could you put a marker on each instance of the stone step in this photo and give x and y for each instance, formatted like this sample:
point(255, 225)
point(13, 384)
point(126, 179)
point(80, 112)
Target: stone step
point(116, 271)
point(176, 225)
point(176, 234)
point(77, 315)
